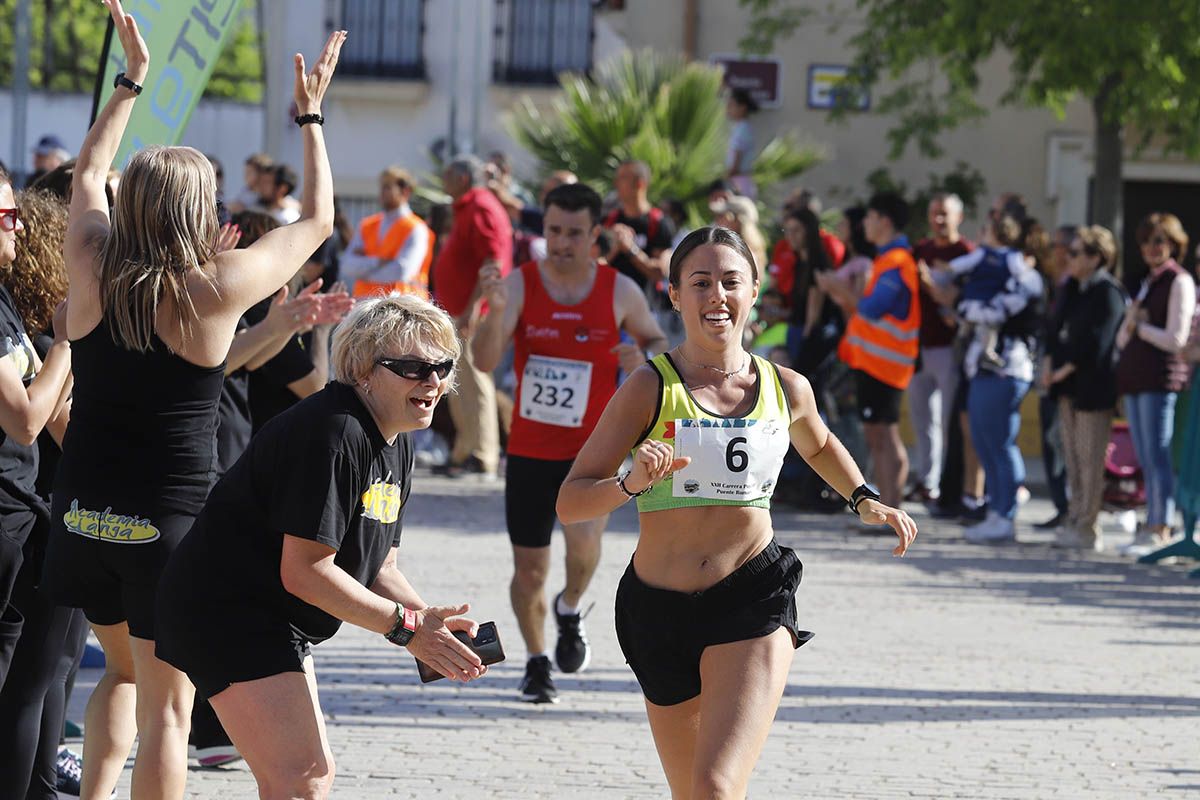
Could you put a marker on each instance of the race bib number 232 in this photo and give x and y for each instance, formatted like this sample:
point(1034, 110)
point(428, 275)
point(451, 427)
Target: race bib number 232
point(555, 391)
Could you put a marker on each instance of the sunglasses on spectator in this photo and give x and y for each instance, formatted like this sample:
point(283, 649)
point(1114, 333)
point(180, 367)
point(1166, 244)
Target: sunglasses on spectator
point(1076, 252)
point(415, 370)
point(1156, 241)
point(8, 218)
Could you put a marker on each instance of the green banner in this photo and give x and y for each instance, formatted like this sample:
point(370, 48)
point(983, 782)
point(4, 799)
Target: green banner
point(185, 38)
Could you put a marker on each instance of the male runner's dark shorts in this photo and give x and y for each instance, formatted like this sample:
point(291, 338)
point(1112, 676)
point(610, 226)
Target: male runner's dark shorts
point(663, 633)
point(530, 493)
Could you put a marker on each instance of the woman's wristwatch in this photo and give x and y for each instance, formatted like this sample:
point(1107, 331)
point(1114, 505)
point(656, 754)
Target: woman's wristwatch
point(404, 628)
point(864, 492)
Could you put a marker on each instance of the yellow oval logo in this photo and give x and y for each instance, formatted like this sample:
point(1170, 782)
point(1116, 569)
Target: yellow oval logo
point(382, 502)
point(109, 527)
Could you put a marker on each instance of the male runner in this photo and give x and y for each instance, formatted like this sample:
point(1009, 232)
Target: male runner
point(565, 315)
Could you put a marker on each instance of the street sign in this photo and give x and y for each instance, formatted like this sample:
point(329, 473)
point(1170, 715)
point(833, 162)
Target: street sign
point(827, 85)
point(762, 77)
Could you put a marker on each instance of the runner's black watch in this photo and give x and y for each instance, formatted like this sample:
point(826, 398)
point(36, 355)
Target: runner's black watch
point(405, 627)
point(864, 492)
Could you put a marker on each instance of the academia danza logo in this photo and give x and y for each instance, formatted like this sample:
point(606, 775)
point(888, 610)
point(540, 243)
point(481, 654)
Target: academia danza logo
point(109, 527)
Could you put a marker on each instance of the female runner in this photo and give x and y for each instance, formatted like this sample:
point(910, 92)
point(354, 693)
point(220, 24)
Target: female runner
point(706, 611)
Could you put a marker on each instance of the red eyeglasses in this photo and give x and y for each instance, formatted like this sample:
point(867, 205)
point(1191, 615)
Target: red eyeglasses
point(9, 219)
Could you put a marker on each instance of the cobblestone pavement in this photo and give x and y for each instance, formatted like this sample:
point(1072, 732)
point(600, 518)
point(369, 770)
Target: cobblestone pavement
point(959, 671)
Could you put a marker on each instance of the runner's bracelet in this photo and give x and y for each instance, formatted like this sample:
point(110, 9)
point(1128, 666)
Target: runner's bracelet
point(621, 485)
point(304, 119)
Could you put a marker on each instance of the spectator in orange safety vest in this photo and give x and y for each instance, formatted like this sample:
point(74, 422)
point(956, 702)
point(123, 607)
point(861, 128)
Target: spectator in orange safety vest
point(881, 340)
point(391, 251)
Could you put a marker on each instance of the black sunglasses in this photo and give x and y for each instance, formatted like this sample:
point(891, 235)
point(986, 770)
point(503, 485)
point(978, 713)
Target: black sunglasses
point(415, 370)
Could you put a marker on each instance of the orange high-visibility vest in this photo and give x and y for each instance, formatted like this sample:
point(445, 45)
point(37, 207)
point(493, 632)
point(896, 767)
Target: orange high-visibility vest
point(886, 348)
point(389, 248)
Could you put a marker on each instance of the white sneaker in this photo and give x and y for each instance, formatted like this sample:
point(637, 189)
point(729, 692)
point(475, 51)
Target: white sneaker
point(1144, 542)
point(994, 528)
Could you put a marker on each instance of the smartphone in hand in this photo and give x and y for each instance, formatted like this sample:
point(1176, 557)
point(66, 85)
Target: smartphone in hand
point(486, 645)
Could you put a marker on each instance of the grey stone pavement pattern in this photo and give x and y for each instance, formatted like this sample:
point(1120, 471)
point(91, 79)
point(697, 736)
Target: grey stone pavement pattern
point(959, 671)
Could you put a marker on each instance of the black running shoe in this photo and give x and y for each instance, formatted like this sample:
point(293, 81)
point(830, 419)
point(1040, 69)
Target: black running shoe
point(573, 653)
point(536, 686)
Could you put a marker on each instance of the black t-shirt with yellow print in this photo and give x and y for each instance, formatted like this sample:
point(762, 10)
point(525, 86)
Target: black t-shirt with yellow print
point(320, 471)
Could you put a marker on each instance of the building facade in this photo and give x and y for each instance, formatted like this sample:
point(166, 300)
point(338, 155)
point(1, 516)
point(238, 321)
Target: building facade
point(437, 76)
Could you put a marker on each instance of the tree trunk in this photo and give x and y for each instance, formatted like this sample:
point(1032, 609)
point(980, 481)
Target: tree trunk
point(1109, 157)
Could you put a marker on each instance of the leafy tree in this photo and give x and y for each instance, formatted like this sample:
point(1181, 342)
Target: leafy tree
point(68, 36)
point(657, 109)
point(1134, 62)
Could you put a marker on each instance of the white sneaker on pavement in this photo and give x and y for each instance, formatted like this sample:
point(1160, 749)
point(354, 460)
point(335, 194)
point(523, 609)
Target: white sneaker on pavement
point(993, 529)
point(1144, 542)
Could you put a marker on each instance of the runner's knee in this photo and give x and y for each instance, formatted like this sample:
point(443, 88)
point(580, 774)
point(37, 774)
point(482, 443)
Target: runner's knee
point(310, 781)
point(530, 575)
point(715, 784)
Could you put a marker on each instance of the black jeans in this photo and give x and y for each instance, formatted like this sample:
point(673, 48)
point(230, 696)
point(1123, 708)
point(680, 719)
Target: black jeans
point(33, 699)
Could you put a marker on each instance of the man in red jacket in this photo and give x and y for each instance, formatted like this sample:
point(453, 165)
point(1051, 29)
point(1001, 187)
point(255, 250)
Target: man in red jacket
point(480, 234)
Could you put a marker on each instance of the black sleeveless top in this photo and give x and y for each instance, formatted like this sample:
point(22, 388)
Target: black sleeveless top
point(142, 437)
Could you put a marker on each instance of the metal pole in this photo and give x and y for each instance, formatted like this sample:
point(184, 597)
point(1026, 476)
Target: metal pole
point(20, 92)
point(477, 77)
point(452, 137)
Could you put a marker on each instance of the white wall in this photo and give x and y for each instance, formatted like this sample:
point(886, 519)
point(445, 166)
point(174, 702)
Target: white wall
point(227, 130)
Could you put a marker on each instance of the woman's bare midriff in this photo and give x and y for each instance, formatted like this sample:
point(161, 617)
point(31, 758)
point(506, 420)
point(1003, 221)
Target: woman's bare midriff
point(690, 549)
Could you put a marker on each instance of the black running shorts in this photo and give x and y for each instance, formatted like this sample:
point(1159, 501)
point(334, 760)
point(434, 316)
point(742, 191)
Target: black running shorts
point(530, 494)
point(877, 401)
point(109, 565)
point(217, 644)
point(663, 633)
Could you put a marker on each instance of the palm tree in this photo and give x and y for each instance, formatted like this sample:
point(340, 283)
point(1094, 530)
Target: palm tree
point(657, 109)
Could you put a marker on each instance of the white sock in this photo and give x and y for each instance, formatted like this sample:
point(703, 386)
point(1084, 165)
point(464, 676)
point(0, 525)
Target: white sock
point(564, 609)
point(546, 654)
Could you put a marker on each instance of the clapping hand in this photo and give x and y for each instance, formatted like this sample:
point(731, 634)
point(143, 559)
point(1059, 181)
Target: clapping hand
point(873, 512)
point(334, 305)
point(229, 237)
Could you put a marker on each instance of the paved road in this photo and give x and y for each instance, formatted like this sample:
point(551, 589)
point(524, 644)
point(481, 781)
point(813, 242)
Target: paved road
point(959, 671)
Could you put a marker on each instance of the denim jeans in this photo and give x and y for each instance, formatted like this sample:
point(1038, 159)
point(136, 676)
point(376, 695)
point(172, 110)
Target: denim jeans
point(994, 409)
point(1151, 418)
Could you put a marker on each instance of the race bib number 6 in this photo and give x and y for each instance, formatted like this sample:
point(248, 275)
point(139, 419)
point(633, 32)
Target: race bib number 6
point(735, 459)
point(555, 391)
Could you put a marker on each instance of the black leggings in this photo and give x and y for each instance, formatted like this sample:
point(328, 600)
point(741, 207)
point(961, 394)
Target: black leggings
point(33, 700)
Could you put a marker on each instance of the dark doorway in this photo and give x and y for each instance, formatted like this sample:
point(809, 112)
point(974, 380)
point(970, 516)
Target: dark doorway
point(1145, 197)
